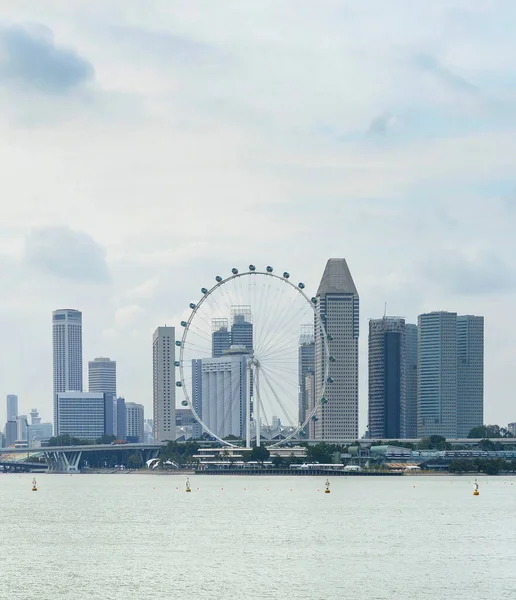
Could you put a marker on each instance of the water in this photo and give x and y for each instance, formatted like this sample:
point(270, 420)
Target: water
point(132, 536)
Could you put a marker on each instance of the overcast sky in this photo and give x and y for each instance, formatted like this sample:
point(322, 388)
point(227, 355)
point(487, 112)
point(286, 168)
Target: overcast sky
point(147, 146)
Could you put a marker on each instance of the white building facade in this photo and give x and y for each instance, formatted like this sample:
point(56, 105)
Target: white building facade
point(67, 353)
point(164, 388)
point(220, 392)
point(85, 415)
point(102, 375)
point(338, 308)
point(134, 422)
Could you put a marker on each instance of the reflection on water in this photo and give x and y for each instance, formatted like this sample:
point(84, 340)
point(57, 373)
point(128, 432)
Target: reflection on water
point(129, 536)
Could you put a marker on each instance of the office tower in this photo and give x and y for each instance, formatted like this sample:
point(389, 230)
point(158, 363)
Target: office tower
point(220, 337)
point(134, 422)
point(392, 378)
point(242, 327)
point(306, 364)
point(197, 430)
point(338, 308)
point(164, 387)
point(411, 381)
point(437, 374)
point(511, 427)
point(85, 415)
point(102, 375)
point(12, 407)
point(35, 419)
point(11, 430)
point(67, 353)
point(120, 419)
point(22, 428)
point(220, 389)
point(387, 377)
point(470, 372)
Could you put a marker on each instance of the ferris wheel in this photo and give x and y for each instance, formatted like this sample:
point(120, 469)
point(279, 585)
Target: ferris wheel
point(247, 359)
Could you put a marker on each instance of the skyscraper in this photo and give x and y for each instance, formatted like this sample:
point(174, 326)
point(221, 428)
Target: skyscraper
point(119, 419)
point(164, 388)
point(470, 372)
point(392, 378)
point(242, 327)
point(102, 375)
point(387, 377)
point(220, 337)
point(67, 352)
point(338, 308)
point(12, 407)
point(450, 374)
point(437, 374)
point(306, 364)
point(219, 391)
point(134, 422)
point(411, 381)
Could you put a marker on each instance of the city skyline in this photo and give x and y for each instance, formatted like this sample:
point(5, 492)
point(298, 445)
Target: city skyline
point(406, 174)
point(468, 328)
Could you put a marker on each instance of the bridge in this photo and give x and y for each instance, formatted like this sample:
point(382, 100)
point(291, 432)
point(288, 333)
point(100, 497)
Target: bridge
point(66, 459)
point(21, 467)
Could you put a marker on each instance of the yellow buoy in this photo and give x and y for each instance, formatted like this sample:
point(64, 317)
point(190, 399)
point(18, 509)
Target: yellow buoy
point(327, 484)
point(475, 490)
point(34, 486)
point(188, 485)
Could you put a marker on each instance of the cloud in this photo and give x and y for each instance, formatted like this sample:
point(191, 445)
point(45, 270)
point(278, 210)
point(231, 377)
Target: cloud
point(67, 254)
point(29, 56)
point(381, 124)
point(461, 275)
point(430, 64)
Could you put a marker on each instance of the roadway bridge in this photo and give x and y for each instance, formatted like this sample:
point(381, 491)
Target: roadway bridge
point(22, 467)
point(66, 459)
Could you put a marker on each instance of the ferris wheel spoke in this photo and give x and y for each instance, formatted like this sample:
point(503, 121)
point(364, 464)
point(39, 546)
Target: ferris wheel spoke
point(278, 319)
point(277, 398)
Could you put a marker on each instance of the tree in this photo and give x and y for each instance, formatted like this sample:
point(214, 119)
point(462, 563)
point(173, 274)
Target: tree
point(258, 454)
point(489, 431)
point(278, 462)
point(321, 453)
point(434, 442)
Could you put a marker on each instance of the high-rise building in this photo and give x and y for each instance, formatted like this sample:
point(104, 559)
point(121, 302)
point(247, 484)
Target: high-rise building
point(67, 353)
point(306, 364)
point(12, 407)
point(11, 431)
point(392, 378)
point(437, 374)
point(470, 372)
point(242, 327)
point(411, 381)
point(164, 387)
point(387, 377)
point(220, 337)
point(220, 389)
point(134, 422)
point(511, 427)
point(22, 428)
point(35, 419)
point(85, 415)
point(120, 429)
point(450, 374)
point(102, 375)
point(338, 308)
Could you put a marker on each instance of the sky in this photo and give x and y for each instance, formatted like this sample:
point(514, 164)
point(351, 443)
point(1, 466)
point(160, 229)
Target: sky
point(146, 147)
